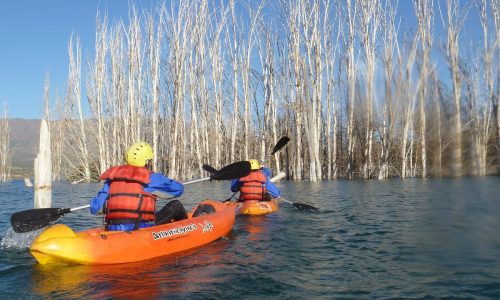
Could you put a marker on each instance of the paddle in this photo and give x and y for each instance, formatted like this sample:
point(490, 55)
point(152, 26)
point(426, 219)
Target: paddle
point(33, 219)
point(209, 169)
point(300, 205)
point(280, 144)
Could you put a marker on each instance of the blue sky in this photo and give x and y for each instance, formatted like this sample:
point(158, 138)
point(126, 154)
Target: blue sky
point(34, 35)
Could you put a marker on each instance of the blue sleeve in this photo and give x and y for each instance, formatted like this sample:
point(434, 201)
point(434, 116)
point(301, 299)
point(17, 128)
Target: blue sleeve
point(267, 172)
point(97, 202)
point(272, 189)
point(158, 182)
point(235, 185)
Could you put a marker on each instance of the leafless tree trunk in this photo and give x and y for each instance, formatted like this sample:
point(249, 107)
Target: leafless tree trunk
point(488, 109)
point(5, 157)
point(135, 61)
point(235, 59)
point(197, 90)
point(298, 89)
point(331, 47)
point(495, 5)
point(436, 99)
point(95, 92)
point(57, 135)
point(245, 75)
point(178, 38)
point(388, 115)
point(155, 36)
point(408, 106)
point(216, 55)
point(351, 81)
point(43, 161)
point(424, 11)
point(117, 97)
point(455, 20)
point(480, 114)
point(77, 143)
point(266, 53)
point(370, 20)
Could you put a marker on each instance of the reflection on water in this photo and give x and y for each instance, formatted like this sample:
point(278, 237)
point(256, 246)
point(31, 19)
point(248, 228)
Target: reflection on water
point(371, 239)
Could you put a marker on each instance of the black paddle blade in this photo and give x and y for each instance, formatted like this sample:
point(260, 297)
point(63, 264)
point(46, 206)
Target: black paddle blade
point(33, 219)
point(232, 171)
point(280, 144)
point(209, 169)
point(304, 206)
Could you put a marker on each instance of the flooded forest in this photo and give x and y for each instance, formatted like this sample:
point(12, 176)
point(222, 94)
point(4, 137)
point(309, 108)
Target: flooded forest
point(363, 88)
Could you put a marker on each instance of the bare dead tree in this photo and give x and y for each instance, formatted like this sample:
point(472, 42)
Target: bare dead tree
point(155, 37)
point(331, 47)
point(455, 20)
point(216, 56)
point(351, 81)
point(407, 97)
point(424, 11)
point(481, 125)
point(117, 95)
point(246, 71)
point(178, 37)
point(43, 161)
point(495, 8)
point(436, 99)
point(5, 157)
point(96, 92)
point(388, 114)
point(370, 20)
point(77, 156)
point(135, 69)
point(298, 87)
point(57, 137)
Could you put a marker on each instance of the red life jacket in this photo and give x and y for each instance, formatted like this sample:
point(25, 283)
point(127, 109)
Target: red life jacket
point(127, 201)
point(254, 186)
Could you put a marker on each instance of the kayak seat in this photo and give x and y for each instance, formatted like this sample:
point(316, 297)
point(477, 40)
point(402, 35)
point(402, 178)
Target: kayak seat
point(203, 209)
point(171, 212)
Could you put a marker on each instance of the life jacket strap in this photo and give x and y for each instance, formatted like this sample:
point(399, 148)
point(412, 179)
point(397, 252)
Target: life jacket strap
point(137, 195)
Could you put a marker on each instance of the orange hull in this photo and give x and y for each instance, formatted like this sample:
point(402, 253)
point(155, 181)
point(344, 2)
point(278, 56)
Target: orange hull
point(59, 244)
point(255, 207)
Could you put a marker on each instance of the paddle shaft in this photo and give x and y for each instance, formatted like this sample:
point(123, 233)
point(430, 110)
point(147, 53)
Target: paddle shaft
point(278, 177)
point(281, 198)
point(185, 183)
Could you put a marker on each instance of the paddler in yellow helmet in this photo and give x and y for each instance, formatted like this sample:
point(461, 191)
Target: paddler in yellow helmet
point(126, 197)
point(256, 185)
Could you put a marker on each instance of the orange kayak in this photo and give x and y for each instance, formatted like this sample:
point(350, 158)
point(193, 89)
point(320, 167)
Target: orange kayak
point(255, 207)
point(60, 244)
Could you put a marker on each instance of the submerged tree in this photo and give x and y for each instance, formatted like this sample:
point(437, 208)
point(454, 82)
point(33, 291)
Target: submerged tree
point(5, 157)
point(212, 83)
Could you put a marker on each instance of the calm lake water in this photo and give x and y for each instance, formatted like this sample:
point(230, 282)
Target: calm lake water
point(418, 239)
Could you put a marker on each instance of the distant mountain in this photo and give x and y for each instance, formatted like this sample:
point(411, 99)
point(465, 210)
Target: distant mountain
point(24, 141)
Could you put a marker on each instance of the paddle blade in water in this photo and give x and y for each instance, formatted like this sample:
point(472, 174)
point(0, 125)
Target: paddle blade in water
point(280, 144)
point(232, 171)
point(209, 169)
point(33, 219)
point(304, 206)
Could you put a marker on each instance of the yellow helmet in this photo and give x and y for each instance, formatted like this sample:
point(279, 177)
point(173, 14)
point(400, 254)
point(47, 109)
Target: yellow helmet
point(138, 154)
point(254, 164)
